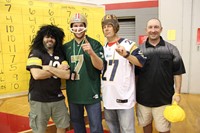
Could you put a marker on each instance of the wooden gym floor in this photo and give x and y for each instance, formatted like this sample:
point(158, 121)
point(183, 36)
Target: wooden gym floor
point(18, 107)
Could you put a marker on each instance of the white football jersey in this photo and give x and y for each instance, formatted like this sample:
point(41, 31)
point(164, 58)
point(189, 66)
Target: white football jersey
point(118, 78)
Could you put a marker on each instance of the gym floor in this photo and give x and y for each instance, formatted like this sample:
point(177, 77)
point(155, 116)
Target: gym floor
point(14, 115)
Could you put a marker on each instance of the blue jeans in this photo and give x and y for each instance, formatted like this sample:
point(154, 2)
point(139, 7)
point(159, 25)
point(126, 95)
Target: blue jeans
point(94, 116)
point(120, 120)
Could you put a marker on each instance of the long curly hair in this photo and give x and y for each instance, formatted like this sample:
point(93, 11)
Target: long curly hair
point(48, 30)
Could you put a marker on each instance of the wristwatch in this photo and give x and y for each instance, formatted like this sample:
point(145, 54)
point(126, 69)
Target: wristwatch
point(127, 55)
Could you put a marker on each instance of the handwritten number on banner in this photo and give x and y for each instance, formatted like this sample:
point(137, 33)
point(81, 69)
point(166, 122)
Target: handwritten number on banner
point(15, 76)
point(11, 38)
point(13, 67)
point(33, 28)
point(8, 1)
point(15, 85)
point(9, 18)
point(12, 48)
point(13, 58)
point(9, 7)
point(69, 15)
point(32, 12)
point(51, 13)
point(9, 28)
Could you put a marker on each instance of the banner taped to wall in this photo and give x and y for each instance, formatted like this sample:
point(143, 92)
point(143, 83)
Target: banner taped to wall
point(20, 21)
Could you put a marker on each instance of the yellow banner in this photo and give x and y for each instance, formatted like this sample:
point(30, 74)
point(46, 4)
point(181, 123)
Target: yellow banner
point(19, 22)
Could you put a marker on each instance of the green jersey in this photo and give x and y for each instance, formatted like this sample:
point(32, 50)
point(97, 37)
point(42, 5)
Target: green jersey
point(85, 89)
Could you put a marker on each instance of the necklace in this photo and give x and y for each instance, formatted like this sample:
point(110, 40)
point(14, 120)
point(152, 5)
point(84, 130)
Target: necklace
point(114, 53)
point(74, 52)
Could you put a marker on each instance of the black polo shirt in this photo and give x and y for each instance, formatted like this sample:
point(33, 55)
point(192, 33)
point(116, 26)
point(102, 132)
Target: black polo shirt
point(155, 86)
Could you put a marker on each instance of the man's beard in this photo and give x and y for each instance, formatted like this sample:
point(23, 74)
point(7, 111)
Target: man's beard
point(49, 46)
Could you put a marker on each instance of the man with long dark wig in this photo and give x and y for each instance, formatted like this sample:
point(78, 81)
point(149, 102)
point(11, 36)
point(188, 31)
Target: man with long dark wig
point(47, 66)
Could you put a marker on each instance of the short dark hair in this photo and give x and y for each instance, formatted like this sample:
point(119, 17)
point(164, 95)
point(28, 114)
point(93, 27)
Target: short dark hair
point(154, 19)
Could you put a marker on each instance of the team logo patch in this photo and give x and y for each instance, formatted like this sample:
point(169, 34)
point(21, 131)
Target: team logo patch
point(107, 56)
point(56, 57)
point(141, 54)
point(60, 95)
point(95, 96)
point(31, 55)
point(102, 56)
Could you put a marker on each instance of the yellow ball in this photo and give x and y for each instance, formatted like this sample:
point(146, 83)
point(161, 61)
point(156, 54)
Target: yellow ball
point(174, 113)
